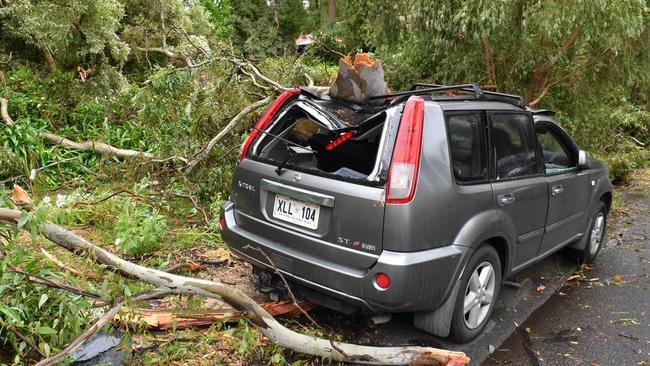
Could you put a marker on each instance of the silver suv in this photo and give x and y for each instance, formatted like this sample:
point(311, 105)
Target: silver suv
point(422, 201)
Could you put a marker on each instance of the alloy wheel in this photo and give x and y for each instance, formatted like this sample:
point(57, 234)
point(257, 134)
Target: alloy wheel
point(597, 233)
point(479, 295)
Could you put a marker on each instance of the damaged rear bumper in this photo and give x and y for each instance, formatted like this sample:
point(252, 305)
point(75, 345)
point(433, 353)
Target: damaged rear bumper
point(420, 281)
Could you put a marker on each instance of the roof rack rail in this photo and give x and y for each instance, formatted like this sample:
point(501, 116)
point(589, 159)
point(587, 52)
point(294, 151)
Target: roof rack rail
point(424, 88)
point(542, 112)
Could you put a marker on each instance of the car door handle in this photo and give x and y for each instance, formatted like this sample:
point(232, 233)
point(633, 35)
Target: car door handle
point(505, 199)
point(557, 190)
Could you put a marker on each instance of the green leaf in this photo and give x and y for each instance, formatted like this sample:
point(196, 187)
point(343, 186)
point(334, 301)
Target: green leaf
point(42, 301)
point(45, 330)
point(24, 219)
point(11, 313)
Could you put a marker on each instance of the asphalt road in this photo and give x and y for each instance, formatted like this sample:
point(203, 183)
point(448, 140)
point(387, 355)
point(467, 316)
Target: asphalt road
point(603, 318)
point(600, 318)
point(515, 304)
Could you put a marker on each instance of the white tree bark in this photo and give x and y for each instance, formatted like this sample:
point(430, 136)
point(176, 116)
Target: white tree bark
point(4, 113)
point(96, 146)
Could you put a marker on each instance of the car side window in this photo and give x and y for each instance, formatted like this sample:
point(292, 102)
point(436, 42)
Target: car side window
point(513, 145)
point(466, 133)
point(556, 154)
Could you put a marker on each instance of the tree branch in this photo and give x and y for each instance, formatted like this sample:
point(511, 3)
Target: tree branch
point(203, 154)
point(251, 311)
point(15, 331)
point(170, 54)
point(286, 284)
point(163, 30)
point(4, 112)
point(542, 73)
point(257, 72)
point(96, 146)
point(101, 322)
point(50, 283)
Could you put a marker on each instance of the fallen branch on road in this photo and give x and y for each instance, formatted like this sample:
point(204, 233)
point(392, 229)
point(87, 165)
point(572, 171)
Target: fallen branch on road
point(255, 314)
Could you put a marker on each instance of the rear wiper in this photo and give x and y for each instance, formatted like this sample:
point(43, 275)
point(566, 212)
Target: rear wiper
point(292, 147)
point(287, 142)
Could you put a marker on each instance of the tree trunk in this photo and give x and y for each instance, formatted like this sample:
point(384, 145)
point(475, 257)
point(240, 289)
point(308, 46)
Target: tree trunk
point(359, 80)
point(331, 10)
point(539, 82)
point(49, 58)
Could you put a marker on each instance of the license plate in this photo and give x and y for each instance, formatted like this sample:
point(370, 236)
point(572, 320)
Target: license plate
point(296, 212)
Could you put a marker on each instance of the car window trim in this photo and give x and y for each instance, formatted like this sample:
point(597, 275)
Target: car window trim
point(536, 146)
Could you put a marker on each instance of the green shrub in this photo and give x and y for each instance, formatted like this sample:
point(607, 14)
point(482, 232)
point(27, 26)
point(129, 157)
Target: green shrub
point(139, 229)
point(47, 317)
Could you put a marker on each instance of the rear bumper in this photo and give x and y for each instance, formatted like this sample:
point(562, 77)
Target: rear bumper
point(420, 281)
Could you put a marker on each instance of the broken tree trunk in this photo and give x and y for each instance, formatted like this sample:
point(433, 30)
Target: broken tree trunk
point(161, 319)
point(253, 312)
point(359, 80)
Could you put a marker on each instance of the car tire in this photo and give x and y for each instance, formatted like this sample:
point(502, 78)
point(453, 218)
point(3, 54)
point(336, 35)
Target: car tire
point(597, 233)
point(474, 307)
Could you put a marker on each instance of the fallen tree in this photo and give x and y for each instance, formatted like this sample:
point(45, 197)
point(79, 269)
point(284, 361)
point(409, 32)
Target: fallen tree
point(255, 314)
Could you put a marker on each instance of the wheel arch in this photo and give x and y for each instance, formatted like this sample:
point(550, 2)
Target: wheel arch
point(606, 198)
point(500, 244)
point(494, 228)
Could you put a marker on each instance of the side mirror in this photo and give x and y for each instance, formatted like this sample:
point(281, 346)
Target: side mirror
point(583, 160)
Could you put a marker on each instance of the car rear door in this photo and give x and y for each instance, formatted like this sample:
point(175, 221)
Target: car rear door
point(569, 187)
point(519, 189)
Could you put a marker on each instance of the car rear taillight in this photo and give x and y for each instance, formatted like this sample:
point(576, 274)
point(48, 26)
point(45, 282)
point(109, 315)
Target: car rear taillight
point(403, 172)
point(264, 121)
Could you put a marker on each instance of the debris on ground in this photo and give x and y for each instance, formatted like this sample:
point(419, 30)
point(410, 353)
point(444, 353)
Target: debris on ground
point(163, 319)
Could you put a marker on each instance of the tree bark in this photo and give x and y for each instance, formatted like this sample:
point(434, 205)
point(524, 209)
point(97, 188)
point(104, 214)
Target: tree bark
point(4, 112)
point(539, 82)
point(49, 58)
point(358, 80)
point(96, 146)
point(331, 9)
point(253, 312)
point(488, 63)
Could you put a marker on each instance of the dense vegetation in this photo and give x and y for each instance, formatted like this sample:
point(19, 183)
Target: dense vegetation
point(166, 76)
